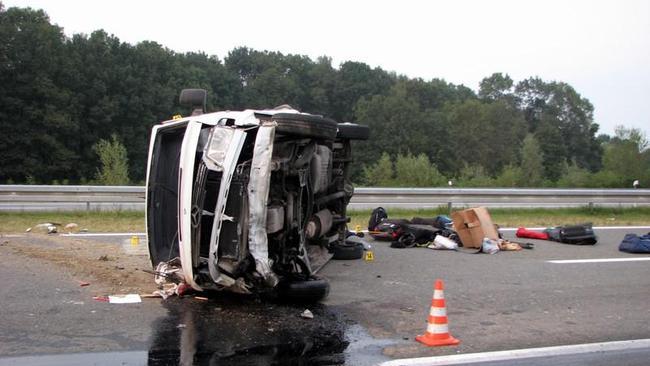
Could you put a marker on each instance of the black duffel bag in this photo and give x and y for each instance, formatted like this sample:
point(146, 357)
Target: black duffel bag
point(582, 234)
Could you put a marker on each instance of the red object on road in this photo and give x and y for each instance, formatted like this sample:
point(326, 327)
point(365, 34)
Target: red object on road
point(522, 232)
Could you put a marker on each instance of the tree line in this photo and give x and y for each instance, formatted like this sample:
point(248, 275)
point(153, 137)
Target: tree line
point(65, 101)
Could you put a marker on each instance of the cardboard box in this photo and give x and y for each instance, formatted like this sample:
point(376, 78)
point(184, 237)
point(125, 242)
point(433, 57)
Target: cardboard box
point(472, 225)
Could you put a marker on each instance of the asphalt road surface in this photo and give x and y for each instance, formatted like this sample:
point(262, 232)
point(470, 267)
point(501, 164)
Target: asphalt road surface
point(510, 300)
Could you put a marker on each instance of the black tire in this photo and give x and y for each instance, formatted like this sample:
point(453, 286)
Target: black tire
point(305, 125)
point(348, 251)
point(312, 290)
point(353, 131)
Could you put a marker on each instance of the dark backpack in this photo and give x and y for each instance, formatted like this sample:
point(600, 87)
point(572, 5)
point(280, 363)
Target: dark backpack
point(377, 216)
point(389, 229)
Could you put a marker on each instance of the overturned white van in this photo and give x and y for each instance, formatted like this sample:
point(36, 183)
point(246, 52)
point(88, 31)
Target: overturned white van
point(249, 201)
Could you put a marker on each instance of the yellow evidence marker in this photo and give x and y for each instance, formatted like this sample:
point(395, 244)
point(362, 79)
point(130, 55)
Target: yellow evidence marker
point(369, 256)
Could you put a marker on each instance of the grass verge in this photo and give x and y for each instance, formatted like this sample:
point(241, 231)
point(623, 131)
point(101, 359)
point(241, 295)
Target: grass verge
point(93, 221)
point(133, 221)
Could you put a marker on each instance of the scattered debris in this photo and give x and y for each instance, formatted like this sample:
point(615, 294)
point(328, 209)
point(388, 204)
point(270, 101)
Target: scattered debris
point(184, 289)
point(124, 299)
point(154, 295)
point(71, 227)
point(527, 245)
point(83, 283)
point(52, 229)
point(201, 298)
point(440, 242)
point(307, 314)
point(29, 229)
point(119, 299)
point(104, 258)
point(181, 326)
point(506, 245)
point(166, 290)
point(490, 246)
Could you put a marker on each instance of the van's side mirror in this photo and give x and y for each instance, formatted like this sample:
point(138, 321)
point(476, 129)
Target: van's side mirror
point(196, 99)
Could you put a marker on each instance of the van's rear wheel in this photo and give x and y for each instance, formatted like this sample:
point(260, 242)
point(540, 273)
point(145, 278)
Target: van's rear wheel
point(305, 125)
point(353, 131)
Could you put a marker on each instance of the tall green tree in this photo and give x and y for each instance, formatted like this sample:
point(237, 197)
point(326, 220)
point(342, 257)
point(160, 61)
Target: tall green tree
point(532, 168)
point(555, 109)
point(34, 113)
point(485, 134)
point(496, 87)
point(114, 169)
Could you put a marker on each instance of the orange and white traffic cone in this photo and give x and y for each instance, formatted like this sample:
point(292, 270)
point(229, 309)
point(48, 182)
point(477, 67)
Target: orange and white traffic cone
point(437, 333)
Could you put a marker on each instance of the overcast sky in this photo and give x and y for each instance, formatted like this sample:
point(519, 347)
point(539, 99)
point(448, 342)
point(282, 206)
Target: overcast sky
point(601, 48)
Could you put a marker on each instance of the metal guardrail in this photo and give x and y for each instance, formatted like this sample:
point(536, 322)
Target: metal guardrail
point(15, 198)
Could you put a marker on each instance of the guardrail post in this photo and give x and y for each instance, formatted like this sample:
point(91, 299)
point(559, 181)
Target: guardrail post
point(87, 206)
point(449, 206)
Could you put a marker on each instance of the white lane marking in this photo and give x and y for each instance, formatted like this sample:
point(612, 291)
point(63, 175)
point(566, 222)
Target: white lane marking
point(522, 353)
point(600, 260)
point(105, 234)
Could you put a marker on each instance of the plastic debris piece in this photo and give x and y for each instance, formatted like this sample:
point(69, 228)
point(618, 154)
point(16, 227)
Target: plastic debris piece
point(181, 326)
point(490, 246)
point(28, 229)
point(83, 283)
point(201, 298)
point(307, 314)
point(124, 299)
point(101, 298)
point(443, 243)
point(154, 295)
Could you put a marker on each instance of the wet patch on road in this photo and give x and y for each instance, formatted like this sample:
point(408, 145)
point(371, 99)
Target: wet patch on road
point(245, 330)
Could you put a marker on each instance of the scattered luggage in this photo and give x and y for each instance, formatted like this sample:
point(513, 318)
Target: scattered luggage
point(522, 232)
point(376, 216)
point(582, 234)
point(633, 243)
point(439, 222)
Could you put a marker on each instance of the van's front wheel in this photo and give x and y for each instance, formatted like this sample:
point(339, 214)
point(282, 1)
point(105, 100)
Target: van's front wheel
point(304, 291)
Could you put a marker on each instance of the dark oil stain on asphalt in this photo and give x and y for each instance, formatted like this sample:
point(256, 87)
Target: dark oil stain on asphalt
point(244, 330)
point(238, 330)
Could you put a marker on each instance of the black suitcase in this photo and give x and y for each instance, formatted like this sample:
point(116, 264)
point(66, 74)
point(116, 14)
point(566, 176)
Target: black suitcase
point(582, 234)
